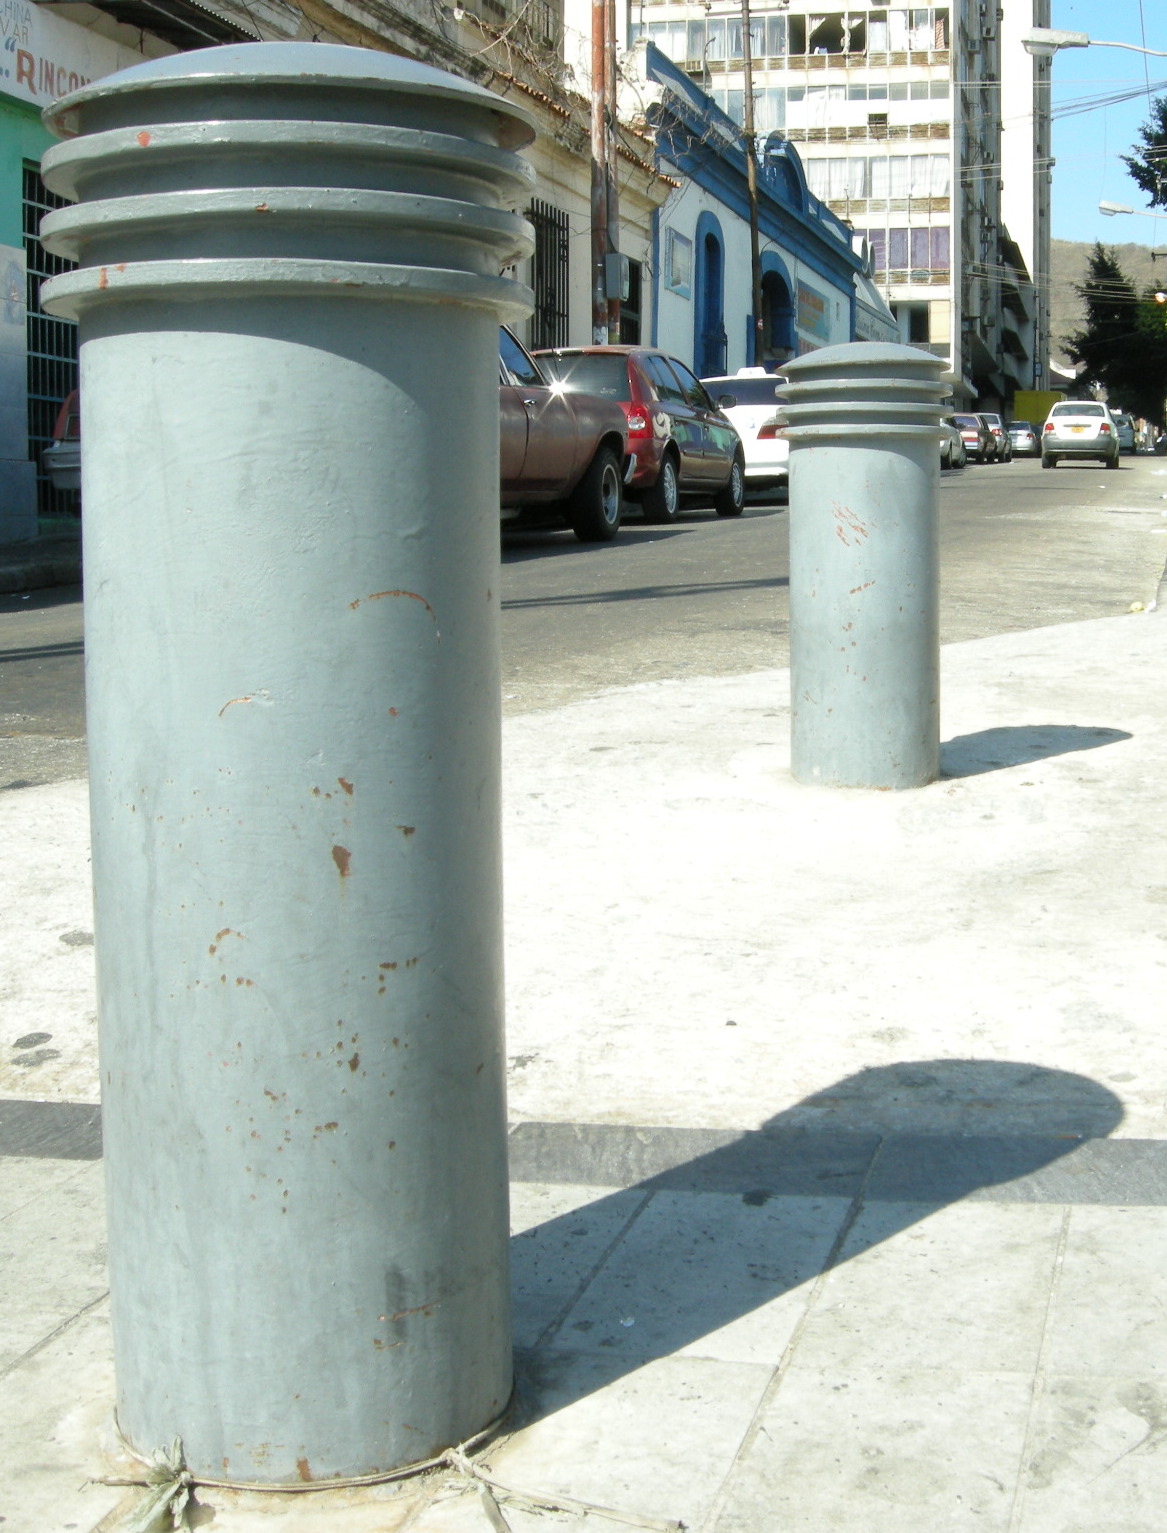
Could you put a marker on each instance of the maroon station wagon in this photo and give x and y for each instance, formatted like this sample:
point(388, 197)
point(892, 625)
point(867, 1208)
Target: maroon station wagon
point(681, 442)
point(558, 450)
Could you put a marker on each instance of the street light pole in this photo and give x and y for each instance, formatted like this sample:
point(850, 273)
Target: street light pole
point(1042, 42)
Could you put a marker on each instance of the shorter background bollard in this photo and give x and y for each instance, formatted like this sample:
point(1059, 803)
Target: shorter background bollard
point(863, 423)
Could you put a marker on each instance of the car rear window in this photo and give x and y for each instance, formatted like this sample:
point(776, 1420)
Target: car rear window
point(1078, 407)
point(968, 422)
point(581, 373)
point(1020, 426)
point(747, 391)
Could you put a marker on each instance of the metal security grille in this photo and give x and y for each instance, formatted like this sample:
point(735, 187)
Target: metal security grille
point(549, 324)
point(52, 345)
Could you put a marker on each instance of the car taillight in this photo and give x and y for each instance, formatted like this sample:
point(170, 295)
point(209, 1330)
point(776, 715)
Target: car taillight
point(1049, 425)
point(1104, 429)
point(770, 430)
point(637, 423)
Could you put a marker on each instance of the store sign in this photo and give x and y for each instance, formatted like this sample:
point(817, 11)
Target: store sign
point(43, 57)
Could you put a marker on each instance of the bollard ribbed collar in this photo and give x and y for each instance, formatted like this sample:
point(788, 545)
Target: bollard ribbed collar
point(311, 66)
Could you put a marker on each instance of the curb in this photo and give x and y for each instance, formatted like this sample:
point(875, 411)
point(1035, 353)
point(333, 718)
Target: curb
point(38, 574)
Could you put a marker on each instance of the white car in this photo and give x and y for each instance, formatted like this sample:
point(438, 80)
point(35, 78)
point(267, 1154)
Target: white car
point(952, 450)
point(754, 413)
point(1079, 428)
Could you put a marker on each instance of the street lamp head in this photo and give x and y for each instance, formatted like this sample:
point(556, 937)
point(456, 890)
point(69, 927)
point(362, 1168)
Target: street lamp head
point(1043, 42)
point(1111, 208)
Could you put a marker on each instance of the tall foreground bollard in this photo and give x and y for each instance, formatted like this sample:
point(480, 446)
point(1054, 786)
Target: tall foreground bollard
point(289, 300)
point(864, 646)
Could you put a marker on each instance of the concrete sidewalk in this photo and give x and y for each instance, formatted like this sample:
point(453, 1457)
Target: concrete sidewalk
point(840, 1124)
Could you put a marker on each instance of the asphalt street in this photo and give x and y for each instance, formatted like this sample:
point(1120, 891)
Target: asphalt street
point(1020, 548)
point(705, 597)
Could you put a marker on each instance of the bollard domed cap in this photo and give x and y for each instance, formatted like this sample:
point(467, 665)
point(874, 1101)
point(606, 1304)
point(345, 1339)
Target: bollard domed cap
point(863, 389)
point(310, 69)
point(881, 358)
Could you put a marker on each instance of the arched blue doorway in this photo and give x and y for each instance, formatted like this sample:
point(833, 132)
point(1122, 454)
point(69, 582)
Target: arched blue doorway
point(709, 339)
point(779, 342)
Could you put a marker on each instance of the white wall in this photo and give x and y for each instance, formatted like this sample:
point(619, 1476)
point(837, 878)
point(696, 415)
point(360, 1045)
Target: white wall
point(675, 332)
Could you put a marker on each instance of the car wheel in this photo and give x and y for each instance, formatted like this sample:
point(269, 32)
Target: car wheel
point(730, 500)
point(1048, 460)
point(597, 504)
point(662, 500)
point(1112, 461)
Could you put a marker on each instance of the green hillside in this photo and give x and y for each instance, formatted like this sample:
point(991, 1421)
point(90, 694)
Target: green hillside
point(1068, 263)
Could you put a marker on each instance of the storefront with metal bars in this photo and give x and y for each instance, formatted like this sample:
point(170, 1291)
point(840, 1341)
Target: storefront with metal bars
point(52, 346)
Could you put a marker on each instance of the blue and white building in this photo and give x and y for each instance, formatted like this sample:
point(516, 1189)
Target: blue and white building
point(815, 290)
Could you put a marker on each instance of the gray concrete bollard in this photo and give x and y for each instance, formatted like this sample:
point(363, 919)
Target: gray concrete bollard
point(289, 297)
point(864, 649)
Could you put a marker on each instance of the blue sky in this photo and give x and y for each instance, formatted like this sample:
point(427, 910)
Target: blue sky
point(1087, 144)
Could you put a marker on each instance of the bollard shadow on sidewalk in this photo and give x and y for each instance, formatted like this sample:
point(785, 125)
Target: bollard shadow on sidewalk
point(639, 1274)
point(990, 750)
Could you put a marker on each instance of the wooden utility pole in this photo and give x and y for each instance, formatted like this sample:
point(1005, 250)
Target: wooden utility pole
point(751, 143)
point(599, 170)
point(605, 197)
point(613, 161)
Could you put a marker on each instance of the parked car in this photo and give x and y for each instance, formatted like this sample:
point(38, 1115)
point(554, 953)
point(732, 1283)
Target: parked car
point(1124, 425)
point(952, 450)
point(1003, 447)
point(62, 458)
point(557, 449)
point(1079, 428)
point(682, 444)
point(754, 414)
point(978, 440)
point(1024, 439)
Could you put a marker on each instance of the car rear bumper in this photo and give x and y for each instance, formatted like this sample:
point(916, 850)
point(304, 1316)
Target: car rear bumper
point(1078, 447)
point(62, 463)
point(766, 473)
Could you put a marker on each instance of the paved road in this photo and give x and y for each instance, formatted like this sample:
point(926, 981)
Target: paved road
point(1020, 549)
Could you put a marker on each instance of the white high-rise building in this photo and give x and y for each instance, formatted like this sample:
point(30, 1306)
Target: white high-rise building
point(897, 114)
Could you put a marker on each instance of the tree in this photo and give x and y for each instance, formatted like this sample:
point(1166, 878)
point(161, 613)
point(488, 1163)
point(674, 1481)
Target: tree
point(1122, 348)
point(1147, 162)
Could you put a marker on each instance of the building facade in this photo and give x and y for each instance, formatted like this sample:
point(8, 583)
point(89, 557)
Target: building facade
point(45, 55)
point(703, 310)
point(897, 114)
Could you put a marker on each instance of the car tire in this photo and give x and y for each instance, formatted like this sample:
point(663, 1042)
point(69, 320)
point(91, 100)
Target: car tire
point(1112, 461)
point(730, 500)
point(662, 500)
point(1048, 460)
point(596, 506)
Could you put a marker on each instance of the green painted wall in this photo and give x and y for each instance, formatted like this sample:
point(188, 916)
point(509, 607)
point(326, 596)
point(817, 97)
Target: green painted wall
point(22, 137)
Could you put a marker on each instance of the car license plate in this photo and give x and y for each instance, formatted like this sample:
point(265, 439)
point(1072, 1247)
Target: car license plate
point(1077, 430)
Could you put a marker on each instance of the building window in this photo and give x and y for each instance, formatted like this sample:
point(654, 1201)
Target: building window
point(924, 252)
point(678, 263)
point(51, 343)
point(914, 322)
point(895, 175)
point(552, 243)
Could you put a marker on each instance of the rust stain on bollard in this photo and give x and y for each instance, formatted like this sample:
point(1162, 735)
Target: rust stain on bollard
point(343, 858)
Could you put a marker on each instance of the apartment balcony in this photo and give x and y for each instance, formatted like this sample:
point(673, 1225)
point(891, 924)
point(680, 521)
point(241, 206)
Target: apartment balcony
point(815, 62)
point(862, 207)
point(871, 132)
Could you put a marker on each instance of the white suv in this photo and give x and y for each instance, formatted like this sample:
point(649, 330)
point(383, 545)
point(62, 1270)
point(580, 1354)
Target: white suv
point(1079, 428)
